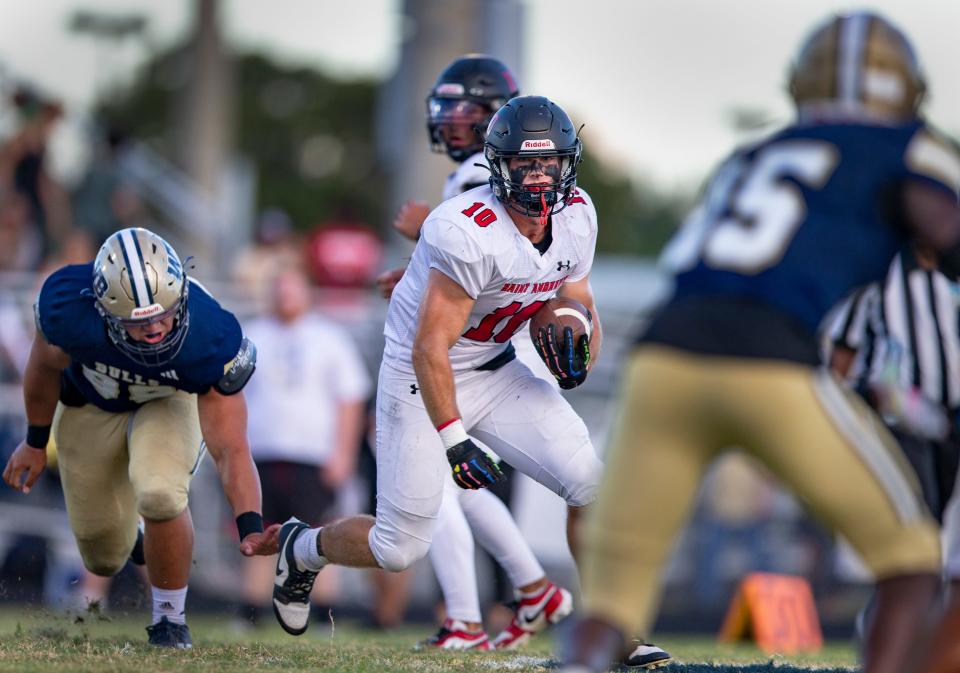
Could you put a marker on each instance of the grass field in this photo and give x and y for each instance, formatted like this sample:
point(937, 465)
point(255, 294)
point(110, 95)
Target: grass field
point(37, 641)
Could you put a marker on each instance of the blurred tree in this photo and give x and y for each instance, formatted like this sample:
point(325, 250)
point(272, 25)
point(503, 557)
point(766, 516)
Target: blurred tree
point(309, 135)
point(633, 218)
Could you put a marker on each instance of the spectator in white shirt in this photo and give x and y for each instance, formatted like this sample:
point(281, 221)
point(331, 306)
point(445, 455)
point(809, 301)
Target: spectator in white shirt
point(306, 416)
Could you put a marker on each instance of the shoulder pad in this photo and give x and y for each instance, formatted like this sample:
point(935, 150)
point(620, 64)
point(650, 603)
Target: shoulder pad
point(36, 320)
point(238, 371)
point(934, 156)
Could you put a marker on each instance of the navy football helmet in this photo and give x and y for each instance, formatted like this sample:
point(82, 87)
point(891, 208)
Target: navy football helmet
point(466, 95)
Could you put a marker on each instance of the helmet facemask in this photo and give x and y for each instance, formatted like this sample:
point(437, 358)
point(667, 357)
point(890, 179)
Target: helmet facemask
point(448, 117)
point(534, 200)
point(141, 352)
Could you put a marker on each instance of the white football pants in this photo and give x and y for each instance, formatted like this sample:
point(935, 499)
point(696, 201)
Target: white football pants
point(521, 417)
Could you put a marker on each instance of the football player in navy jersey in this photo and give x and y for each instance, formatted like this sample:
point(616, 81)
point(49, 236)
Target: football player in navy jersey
point(137, 370)
point(788, 226)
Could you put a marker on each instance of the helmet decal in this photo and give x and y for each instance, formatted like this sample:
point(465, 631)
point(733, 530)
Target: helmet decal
point(534, 145)
point(136, 267)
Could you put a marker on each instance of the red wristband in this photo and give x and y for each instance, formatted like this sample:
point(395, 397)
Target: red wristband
point(446, 423)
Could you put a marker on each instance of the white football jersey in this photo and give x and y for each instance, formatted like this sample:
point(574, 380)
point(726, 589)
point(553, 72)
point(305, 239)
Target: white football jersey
point(467, 176)
point(472, 239)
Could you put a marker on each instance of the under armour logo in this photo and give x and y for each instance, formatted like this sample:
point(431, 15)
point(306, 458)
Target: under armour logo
point(563, 265)
point(413, 388)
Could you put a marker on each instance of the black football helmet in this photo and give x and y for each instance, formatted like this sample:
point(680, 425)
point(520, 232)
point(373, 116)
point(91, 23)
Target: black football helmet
point(468, 91)
point(527, 127)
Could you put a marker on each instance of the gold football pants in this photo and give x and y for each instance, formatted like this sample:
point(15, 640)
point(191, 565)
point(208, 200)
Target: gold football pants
point(679, 410)
point(114, 466)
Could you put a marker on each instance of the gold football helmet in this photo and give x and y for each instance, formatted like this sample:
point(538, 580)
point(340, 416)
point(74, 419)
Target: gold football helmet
point(858, 64)
point(138, 279)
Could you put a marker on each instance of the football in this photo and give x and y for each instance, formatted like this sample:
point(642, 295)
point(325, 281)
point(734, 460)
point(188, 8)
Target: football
point(562, 312)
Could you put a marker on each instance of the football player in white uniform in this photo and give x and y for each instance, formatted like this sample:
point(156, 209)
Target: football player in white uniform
point(464, 98)
point(485, 262)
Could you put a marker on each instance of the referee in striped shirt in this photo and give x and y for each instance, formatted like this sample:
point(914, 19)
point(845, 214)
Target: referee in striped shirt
point(898, 343)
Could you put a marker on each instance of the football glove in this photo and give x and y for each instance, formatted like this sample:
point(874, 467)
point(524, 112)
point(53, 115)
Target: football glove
point(472, 468)
point(567, 360)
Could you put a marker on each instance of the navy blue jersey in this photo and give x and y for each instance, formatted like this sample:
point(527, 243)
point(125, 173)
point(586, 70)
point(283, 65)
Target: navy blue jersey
point(798, 220)
point(103, 375)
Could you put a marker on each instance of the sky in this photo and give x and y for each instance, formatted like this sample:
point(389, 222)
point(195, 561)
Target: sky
point(658, 78)
point(655, 81)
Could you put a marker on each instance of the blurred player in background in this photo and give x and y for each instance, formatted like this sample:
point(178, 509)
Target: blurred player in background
point(787, 228)
point(136, 368)
point(306, 416)
point(466, 95)
point(485, 261)
point(897, 343)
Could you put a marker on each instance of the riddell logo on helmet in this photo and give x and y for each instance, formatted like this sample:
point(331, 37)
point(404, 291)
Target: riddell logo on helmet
point(450, 89)
point(529, 145)
point(146, 311)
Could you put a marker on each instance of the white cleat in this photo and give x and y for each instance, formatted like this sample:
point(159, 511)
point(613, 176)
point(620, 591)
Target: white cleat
point(293, 583)
point(648, 656)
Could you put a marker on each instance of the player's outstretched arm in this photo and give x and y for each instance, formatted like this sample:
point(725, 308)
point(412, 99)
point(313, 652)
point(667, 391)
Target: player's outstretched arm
point(223, 421)
point(388, 280)
point(410, 219)
point(41, 390)
point(443, 315)
point(581, 291)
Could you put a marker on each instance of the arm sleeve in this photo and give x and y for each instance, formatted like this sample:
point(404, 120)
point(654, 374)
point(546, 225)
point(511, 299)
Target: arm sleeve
point(456, 255)
point(933, 158)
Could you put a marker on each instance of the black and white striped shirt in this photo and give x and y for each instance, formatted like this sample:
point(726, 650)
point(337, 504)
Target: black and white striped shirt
point(910, 321)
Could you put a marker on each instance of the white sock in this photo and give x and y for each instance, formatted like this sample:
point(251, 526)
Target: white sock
point(305, 550)
point(169, 603)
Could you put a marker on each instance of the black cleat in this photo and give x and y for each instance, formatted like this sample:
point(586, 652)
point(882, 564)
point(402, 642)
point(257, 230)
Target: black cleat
point(167, 634)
